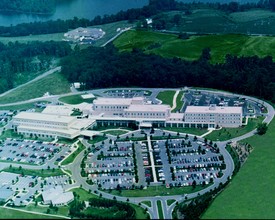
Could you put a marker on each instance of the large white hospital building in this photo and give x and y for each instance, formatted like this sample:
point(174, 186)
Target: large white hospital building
point(122, 112)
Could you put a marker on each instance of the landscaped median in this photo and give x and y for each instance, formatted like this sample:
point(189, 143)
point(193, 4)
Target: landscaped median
point(160, 209)
point(158, 191)
point(73, 155)
point(42, 172)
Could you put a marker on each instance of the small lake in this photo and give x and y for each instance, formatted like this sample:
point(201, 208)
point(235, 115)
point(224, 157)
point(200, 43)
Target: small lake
point(67, 9)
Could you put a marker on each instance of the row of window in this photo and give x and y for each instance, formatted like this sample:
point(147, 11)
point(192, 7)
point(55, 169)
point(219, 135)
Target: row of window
point(111, 107)
point(20, 121)
point(146, 114)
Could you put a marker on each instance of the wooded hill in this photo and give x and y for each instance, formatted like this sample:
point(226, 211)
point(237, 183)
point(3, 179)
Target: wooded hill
point(106, 67)
point(28, 6)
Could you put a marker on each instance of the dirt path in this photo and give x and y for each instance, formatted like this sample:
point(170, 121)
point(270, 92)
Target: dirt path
point(175, 100)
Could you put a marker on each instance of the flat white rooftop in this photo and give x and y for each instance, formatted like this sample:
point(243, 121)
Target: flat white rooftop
point(71, 132)
point(34, 116)
point(147, 108)
point(88, 96)
point(217, 109)
point(112, 101)
point(81, 123)
point(58, 110)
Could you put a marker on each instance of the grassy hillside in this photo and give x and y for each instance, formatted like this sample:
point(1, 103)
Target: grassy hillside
point(256, 21)
point(252, 191)
point(26, 39)
point(15, 214)
point(169, 45)
point(54, 84)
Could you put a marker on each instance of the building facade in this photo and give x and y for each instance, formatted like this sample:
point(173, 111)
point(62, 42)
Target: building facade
point(213, 116)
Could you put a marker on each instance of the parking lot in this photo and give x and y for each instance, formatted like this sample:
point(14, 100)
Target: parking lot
point(127, 93)
point(186, 162)
point(31, 151)
point(177, 162)
point(197, 98)
point(111, 166)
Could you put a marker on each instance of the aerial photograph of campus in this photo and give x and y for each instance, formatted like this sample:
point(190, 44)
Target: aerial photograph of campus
point(137, 109)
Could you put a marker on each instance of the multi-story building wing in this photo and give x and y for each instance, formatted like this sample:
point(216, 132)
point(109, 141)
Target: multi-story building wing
point(212, 116)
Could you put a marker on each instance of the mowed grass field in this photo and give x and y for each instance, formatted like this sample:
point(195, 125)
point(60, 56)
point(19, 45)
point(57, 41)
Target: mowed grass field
point(166, 97)
point(251, 194)
point(254, 21)
point(171, 46)
point(75, 99)
point(15, 214)
point(26, 39)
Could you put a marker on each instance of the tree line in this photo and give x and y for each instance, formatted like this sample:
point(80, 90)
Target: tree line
point(107, 67)
point(19, 59)
point(28, 6)
point(153, 8)
point(120, 209)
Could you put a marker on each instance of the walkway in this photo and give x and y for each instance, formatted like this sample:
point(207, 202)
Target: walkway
point(208, 132)
point(175, 100)
point(152, 159)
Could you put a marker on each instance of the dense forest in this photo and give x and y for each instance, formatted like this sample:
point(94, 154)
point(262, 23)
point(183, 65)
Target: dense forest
point(28, 6)
point(106, 67)
point(153, 8)
point(18, 58)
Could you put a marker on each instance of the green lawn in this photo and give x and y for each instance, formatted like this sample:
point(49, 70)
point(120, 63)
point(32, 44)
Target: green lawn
point(9, 134)
point(54, 84)
point(73, 155)
point(111, 30)
point(115, 132)
point(191, 49)
point(140, 212)
point(251, 15)
point(148, 203)
point(194, 131)
point(160, 209)
point(22, 107)
point(256, 21)
point(103, 128)
point(132, 139)
point(166, 97)
point(85, 196)
point(26, 39)
point(157, 191)
point(97, 139)
point(228, 133)
point(15, 214)
point(251, 192)
point(62, 210)
point(170, 201)
point(75, 99)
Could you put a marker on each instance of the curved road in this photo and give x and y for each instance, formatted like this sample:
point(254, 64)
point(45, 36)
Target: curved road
point(153, 211)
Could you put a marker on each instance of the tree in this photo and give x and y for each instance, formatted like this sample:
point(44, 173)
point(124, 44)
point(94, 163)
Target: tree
point(194, 184)
point(262, 128)
point(206, 54)
point(183, 36)
point(272, 4)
